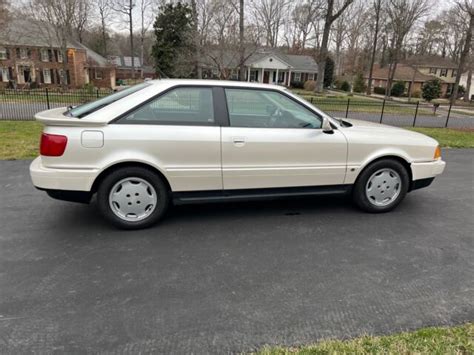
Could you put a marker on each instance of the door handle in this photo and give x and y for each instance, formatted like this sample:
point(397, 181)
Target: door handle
point(238, 141)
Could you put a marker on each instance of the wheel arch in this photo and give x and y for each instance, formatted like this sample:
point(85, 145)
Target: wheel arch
point(402, 160)
point(125, 164)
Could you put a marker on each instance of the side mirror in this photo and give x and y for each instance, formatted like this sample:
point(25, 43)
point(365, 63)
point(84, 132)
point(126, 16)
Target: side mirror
point(327, 128)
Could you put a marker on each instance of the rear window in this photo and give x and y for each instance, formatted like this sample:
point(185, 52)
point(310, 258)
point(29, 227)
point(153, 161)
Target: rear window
point(88, 108)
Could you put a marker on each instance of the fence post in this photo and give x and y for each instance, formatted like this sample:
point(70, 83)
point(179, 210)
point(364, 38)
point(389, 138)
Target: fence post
point(383, 109)
point(347, 108)
point(311, 99)
point(416, 113)
point(97, 92)
point(47, 98)
point(449, 114)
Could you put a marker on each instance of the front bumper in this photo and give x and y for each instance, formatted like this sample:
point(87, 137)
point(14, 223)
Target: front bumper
point(427, 170)
point(61, 179)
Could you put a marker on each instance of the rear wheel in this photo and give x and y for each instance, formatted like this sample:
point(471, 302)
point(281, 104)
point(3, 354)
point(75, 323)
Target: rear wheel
point(381, 186)
point(132, 198)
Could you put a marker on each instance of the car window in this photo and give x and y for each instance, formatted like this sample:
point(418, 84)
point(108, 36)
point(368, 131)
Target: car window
point(270, 109)
point(88, 108)
point(178, 106)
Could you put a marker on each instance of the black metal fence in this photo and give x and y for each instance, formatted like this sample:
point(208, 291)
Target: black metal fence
point(396, 113)
point(23, 104)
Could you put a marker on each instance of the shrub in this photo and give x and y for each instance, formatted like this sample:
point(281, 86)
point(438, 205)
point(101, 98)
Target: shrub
point(416, 94)
point(398, 89)
point(297, 84)
point(379, 90)
point(310, 85)
point(431, 90)
point(345, 86)
point(359, 83)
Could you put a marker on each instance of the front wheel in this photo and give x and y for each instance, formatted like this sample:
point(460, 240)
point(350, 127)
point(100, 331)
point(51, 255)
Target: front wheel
point(381, 186)
point(132, 198)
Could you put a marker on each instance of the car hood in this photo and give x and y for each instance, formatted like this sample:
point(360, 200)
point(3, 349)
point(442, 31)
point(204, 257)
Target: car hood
point(390, 132)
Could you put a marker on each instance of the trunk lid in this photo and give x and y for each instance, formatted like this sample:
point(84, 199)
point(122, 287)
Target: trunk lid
point(56, 117)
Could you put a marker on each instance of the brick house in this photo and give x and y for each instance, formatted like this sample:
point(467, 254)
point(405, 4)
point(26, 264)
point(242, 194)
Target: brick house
point(415, 71)
point(31, 58)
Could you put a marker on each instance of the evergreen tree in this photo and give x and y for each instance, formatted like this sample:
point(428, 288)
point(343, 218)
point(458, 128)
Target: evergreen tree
point(328, 72)
point(431, 89)
point(173, 46)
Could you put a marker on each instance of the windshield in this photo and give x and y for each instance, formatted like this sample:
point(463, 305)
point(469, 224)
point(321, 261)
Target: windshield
point(88, 108)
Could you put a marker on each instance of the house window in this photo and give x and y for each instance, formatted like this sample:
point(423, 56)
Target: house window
point(62, 78)
point(433, 70)
point(47, 76)
point(98, 74)
point(234, 74)
point(311, 76)
point(253, 75)
point(280, 76)
point(443, 72)
point(60, 56)
point(297, 77)
point(44, 55)
point(454, 73)
point(23, 53)
point(3, 53)
point(4, 74)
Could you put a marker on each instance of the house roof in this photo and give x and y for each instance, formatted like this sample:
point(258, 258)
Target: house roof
point(27, 32)
point(125, 62)
point(230, 59)
point(404, 73)
point(431, 61)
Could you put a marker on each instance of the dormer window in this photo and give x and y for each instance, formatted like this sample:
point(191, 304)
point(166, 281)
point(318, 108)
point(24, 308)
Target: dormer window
point(433, 70)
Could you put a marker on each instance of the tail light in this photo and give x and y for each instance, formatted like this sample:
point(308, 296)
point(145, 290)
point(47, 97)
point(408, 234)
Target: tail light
point(52, 145)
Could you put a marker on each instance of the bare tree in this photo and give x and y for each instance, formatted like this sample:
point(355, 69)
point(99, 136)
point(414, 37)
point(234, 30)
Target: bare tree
point(377, 8)
point(271, 14)
point(124, 8)
point(329, 19)
point(81, 19)
point(4, 15)
point(146, 20)
point(104, 13)
point(402, 16)
point(467, 7)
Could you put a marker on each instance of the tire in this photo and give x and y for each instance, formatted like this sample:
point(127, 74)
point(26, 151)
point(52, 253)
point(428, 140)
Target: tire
point(132, 198)
point(376, 188)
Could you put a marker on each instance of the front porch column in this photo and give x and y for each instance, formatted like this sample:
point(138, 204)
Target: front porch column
point(248, 74)
point(263, 73)
point(277, 77)
point(289, 77)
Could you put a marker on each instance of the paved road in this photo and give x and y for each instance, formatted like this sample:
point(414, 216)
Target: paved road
point(230, 278)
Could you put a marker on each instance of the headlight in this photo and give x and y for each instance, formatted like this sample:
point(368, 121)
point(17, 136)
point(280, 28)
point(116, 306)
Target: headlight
point(437, 153)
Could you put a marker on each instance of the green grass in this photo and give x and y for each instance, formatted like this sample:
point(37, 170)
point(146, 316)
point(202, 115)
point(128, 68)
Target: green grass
point(435, 340)
point(19, 139)
point(449, 138)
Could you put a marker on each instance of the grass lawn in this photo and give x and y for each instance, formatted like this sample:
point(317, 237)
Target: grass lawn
point(447, 137)
point(436, 340)
point(20, 139)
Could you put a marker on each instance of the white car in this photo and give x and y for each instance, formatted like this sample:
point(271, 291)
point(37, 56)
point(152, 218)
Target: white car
point(188, 141)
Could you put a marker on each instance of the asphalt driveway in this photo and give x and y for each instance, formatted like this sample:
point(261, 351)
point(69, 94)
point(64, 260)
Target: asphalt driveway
point(231, 278)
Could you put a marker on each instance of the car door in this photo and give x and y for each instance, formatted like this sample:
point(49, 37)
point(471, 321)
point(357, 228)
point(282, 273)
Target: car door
point(180, 133)
point(274, 141)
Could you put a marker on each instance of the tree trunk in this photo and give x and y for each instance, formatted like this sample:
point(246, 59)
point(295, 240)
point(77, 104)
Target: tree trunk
point(130, 17)
point(374, 47)
point(323, 52)
point(197, 42)
point(241, 42)
point(104, 37)
point(468, 85)
point(463, 58)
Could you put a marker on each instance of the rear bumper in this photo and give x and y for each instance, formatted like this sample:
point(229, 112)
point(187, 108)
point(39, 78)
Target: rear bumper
point(61, 179)
point(427, 170)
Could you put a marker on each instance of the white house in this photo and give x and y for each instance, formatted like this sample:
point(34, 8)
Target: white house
point(463, 82)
